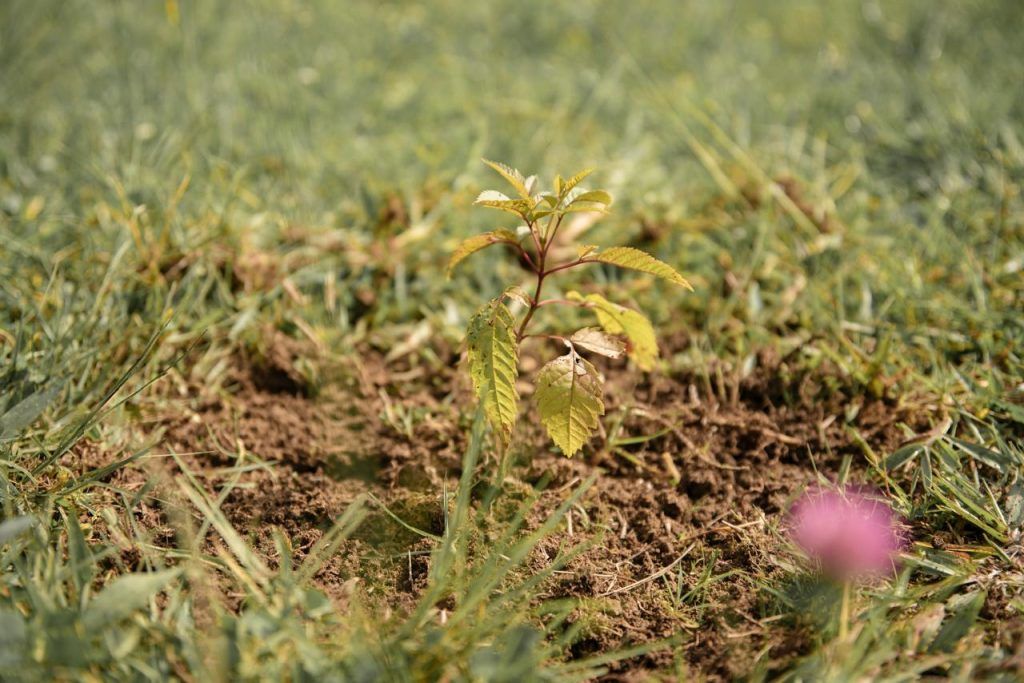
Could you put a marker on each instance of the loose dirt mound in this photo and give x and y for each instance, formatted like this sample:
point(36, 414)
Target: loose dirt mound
point(704, 500)
point(685, 520)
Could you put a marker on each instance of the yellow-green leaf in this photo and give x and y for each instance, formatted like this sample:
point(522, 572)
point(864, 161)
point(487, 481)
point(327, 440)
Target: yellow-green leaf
point(593, 339)
point(496, 200)
point(597, 196)
point(616, 319)
point(569, 401)
point(493, 365)
point(514, 177)
point(567, 186)
point(628, 257)
point(476, 243)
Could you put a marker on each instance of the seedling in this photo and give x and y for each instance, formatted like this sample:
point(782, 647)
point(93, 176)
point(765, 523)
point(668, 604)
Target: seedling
point(569, 389)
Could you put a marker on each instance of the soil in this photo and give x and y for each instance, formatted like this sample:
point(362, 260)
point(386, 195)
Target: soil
point(702, 497)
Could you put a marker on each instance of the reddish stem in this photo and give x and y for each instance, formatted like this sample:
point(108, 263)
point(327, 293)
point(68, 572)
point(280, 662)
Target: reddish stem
point(541, 272)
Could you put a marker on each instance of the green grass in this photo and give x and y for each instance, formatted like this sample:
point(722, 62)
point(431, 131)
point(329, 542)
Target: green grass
point(156, 164)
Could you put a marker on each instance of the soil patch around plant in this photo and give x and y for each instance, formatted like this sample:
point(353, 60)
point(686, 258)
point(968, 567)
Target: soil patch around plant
point(694, 474)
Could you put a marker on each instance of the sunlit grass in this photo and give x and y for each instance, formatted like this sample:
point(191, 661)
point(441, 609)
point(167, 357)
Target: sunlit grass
point(840, 181)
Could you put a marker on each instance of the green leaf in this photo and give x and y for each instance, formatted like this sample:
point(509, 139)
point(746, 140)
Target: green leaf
point(13, 639)
point(616, 319)
point(569, 401)
point(597, 196)
point(966, 609)
point(14, 527)
point(903, 455)
point(593, 339)
point(497, 200)
point(584, 208)
point(476, 243)
point(493, 365)
point(568, 185)
point(80, 559)
point(124, 595)
point(25, 413)
point(628, 257)
point(514, 177)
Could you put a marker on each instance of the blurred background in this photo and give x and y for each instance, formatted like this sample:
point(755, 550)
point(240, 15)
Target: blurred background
point(806, 164)
point(198, 196)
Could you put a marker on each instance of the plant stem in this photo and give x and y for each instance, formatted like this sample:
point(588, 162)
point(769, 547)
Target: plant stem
point(570, 264)
point(534, 303)
point(844, 613)
point(525, 254)
point(564, 302)
point(539, 269)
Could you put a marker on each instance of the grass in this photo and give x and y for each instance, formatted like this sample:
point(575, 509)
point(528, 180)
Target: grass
point(841, 181)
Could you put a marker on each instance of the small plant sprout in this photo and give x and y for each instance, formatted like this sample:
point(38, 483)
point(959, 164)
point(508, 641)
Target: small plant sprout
point(850, 533)
point(569, 388)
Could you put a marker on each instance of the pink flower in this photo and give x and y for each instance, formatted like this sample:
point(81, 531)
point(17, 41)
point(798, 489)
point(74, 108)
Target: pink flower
point(849, 532)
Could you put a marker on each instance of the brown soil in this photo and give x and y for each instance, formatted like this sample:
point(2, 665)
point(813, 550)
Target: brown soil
point(706, 493)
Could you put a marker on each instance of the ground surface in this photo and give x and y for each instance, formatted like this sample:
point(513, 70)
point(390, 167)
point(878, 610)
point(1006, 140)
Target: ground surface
point(237, 434)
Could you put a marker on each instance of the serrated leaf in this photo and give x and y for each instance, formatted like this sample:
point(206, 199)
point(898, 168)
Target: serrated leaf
point(593, 339)
point(597, 196)
point(514, 177)
point(569, 401)
point(474, 244)
point(494, 365)
point(496, 200)
point(628, 257)
point(568, 185)
point(585, 250)
point(616, 319)
point(124, 595)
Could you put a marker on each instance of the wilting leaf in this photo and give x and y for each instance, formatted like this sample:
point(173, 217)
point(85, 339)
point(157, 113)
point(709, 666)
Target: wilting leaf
point(476, 243)
point(569, 401)
point(593, 339)
point(628, 257)
point(493, 365)
point(124, 595)
point(516, 292)
point(616, 319)
point(514, 177)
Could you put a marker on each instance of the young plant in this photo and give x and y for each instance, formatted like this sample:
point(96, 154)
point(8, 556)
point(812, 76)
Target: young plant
point(569, 388)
